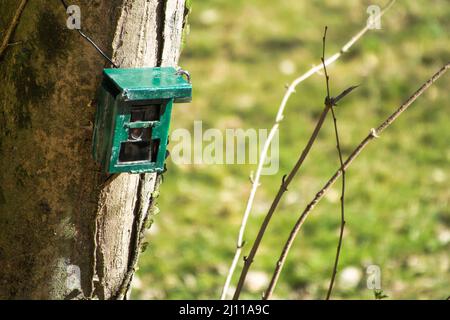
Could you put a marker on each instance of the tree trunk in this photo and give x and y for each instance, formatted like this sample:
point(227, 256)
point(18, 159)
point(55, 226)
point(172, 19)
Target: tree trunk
point(67, 230)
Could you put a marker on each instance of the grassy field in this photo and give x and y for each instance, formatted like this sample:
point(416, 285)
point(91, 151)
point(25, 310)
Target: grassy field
point(241, 53)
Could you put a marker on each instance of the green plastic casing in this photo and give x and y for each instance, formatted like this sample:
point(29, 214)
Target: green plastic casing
point(121, 91)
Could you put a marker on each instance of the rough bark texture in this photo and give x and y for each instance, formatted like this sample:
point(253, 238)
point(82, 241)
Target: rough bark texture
point(66, 231)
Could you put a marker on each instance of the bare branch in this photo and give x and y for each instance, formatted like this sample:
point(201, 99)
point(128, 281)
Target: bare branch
point(280, 114)
point(374, 133)
point(341, 231)
point(329, 103)
point(276, 201)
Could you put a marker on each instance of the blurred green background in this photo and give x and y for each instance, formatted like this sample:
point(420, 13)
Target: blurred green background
point(241, 53)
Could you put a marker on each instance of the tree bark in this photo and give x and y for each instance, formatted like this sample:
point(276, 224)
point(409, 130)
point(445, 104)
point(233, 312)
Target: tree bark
point(67, 230)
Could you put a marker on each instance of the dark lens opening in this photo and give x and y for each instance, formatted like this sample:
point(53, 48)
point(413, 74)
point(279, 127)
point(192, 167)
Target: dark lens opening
point(132, 151)
point(135, 151)
point(151, 112)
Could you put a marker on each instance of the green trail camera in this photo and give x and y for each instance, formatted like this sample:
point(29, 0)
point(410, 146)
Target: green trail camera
point(133, 117)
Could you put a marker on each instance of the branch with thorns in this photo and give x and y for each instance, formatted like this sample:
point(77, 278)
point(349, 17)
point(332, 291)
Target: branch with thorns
point(255, 180)
point(374, 133)
point(330, 103)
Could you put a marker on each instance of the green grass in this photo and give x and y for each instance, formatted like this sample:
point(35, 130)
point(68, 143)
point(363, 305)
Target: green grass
point(398, 190)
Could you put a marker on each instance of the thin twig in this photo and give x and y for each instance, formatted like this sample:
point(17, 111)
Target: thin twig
point(12, 26)
point(327, 78)
point(255, 184)
point(283, 188)
point(329, 103)
point(374, 133)
point(338, 146)
point(342, 226)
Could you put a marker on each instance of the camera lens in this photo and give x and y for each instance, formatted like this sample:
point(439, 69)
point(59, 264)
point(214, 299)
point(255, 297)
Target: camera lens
point(136, 134)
